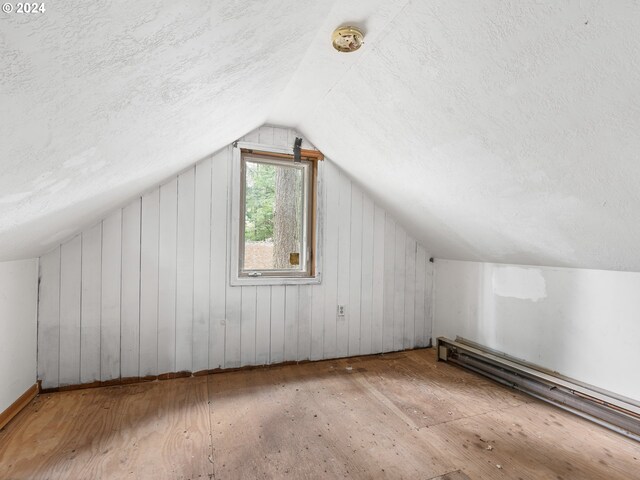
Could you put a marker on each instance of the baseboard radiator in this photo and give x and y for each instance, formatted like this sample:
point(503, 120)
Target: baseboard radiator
point(605, 408)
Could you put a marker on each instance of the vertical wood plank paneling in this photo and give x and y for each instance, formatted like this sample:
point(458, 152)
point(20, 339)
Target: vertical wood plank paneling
point(317, 291)
point(317, 322)
point(291, 323)
point(184, 271)
point(111, 276)
point(149, 273)
point(366, 301)
point(420, 302)
point(167, 277)
point(91, 304)
point(281, 137)
point(428, 291)
point(49, 319)
point(378, 279)
point(219, 275)
point(253, 136)
point(130, 309)
point(147, 291)
point(201, 265)
point(233, 330)
point(408, 338)
point(330, 274)
point(355, 271)
point(266, 135)
point(248, 327)
point(344, 254)
point(70, 295)
point(304, 322)
point(399, 287)
point(277, 323)
point(233, 327)
point(389, 283)
point(263, 324)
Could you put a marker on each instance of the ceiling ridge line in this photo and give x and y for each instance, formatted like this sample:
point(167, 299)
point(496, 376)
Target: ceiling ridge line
point(278, 100)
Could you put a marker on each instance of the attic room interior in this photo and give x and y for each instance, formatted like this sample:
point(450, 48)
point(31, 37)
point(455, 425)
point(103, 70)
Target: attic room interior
point(320, 239)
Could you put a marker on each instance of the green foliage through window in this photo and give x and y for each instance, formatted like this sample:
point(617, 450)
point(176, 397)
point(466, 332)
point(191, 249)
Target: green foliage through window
point(260, 201)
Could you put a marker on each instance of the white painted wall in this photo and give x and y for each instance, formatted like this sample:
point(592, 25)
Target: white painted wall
point(146, 291)
point(584, 324)
point(18, 304)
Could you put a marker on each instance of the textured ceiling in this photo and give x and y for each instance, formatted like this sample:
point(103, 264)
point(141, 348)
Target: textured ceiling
point(498, 131)
point(100, 100)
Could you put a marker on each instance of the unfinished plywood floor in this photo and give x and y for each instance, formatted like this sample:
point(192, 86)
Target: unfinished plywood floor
point(399, 415)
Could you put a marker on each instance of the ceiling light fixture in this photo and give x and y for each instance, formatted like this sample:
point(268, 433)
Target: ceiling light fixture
point(347, 39)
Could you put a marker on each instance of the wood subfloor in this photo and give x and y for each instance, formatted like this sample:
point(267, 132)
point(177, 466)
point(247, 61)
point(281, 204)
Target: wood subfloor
point(400, 415)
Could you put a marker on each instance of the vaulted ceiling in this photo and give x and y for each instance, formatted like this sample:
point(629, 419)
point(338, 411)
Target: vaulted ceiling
point(497, 131)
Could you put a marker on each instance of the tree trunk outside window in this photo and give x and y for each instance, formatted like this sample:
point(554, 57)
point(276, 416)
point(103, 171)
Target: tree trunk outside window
point(286, 229)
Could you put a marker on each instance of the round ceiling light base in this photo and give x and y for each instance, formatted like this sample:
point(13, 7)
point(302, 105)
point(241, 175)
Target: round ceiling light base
point(347, 39)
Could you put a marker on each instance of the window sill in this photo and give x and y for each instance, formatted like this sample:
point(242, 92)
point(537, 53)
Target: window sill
point(241, 281)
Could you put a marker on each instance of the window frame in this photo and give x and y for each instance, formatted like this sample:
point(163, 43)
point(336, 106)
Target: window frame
point(236, 208)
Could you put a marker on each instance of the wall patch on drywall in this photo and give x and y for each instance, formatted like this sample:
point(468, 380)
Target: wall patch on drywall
point(519, 282)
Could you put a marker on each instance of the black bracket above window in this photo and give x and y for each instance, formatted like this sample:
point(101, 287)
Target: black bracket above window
point(297, 158)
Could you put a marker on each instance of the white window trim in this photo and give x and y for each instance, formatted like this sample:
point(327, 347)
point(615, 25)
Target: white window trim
point(234, 214)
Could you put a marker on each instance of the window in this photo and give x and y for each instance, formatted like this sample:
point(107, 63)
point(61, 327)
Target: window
point(275, 218)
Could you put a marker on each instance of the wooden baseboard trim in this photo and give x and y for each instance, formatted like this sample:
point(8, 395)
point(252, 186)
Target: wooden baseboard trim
point(18, 405)
point(184, 374)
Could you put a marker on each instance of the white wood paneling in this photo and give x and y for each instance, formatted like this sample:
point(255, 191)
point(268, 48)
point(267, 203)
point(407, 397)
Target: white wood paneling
point(330, 273)
point(130, 308)
point(49, 319)
point(389, 283)
point(399, 288)
point(70, 306)
point(377, 319)
point(408, 334)
point(366, 299)
point(184, 271)
point(277, 323)
point(147, 292)
point(304, 322)
point(344, 255)
point(317, 319)
point(317, 323)
point(430, 302)
point(91, 304)
point(167, 272)
point(218, 271)
point(110, 311)
point(201, 265)
point(291, 323)
point(421, 298)
point(355, 272)
point(248, 327)
point(232, 357)
point(263, 324)
point(149, 283)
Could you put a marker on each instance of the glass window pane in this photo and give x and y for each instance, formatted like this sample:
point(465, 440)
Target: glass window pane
point(273, 221)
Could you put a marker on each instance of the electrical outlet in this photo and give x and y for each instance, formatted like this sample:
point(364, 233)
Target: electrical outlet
point(341, 309)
